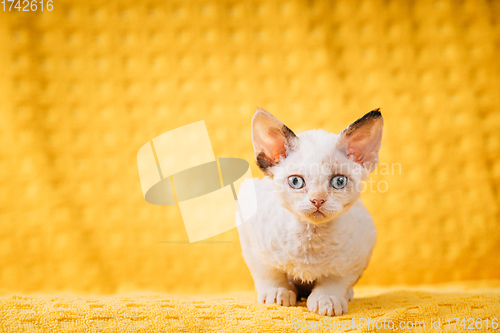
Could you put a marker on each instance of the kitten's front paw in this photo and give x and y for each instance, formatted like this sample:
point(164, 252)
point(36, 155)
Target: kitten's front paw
point(327, 305)
point(280, 296)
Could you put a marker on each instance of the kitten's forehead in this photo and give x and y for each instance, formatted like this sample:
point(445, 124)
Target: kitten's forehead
point(317, 153)
point(317, 144)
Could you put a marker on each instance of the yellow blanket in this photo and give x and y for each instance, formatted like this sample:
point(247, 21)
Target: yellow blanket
point(451, 308)
point(84, 86)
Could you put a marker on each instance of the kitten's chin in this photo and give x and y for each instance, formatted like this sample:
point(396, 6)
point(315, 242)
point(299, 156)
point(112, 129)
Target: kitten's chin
point(317, 217)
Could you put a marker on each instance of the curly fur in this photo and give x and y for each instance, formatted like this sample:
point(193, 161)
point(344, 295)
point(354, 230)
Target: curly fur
point(289, 242)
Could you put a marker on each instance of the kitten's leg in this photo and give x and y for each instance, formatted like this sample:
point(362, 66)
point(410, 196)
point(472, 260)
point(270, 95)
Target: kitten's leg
point(350, 295)
point(272, 286)
point(328, 298)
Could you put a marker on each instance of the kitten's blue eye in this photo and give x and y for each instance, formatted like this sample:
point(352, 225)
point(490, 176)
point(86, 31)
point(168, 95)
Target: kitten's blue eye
point(296, 182)
point(338, 182)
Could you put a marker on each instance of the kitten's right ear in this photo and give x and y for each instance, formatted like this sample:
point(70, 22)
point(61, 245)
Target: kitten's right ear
point(272, 140)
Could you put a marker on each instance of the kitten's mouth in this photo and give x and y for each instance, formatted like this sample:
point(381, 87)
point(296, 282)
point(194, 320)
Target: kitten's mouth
point(318, 215)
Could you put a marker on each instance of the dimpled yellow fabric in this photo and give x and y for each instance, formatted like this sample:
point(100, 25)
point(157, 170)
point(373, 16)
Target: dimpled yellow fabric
point(84, 86)
point(447, 308)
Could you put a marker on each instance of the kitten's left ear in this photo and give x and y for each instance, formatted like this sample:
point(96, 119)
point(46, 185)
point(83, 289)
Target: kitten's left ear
point(272, 140)
point(362, 139)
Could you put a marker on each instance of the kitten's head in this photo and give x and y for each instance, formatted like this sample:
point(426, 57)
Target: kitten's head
point(317, 174)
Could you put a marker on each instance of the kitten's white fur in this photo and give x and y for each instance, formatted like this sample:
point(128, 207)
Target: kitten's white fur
point(286, 242)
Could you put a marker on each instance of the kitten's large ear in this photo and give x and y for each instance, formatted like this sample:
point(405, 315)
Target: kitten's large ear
point(361, 140)
point(272, 140)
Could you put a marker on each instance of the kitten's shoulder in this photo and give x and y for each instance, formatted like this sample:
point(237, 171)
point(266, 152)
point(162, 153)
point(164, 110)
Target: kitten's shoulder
point(255, 184)
point(257, 191)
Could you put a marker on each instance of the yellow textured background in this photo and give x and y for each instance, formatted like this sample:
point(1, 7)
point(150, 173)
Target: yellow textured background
point(83, 87)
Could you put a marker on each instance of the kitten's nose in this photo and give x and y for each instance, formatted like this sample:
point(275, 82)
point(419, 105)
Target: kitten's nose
point(317, 202)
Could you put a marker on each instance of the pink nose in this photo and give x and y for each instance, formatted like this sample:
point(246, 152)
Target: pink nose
point(317, 202)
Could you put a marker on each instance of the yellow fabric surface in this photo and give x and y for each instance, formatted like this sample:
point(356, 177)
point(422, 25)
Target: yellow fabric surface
point(84, 86)
point(156, 312)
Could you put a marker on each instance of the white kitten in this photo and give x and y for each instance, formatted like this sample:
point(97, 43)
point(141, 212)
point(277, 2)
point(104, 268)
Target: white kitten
point(311, 230)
